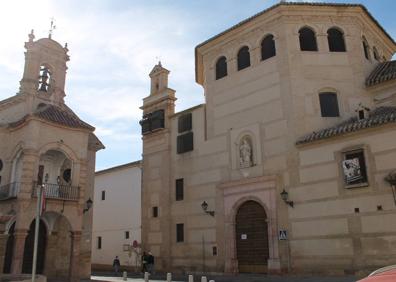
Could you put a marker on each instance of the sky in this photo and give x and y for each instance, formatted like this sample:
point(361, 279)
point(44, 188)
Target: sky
point(113, 46)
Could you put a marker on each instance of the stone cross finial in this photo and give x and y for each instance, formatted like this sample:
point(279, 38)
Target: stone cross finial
point(52, 28)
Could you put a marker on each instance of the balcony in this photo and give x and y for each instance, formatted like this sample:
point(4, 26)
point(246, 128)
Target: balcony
point(58, 191)
point(9, 191)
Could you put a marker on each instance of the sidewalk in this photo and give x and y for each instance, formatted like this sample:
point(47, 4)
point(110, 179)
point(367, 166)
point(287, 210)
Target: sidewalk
point(228, 278)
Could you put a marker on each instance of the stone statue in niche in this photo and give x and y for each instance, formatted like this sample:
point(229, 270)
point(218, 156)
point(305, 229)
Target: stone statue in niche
point(245, 153)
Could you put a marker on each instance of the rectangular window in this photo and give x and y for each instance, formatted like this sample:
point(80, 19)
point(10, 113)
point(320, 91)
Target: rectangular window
point(179, 189)
point(99, 242)
point(354, 168)
point(185, 143)
point(329, 104)
point(103, 195)
point(185, 123)
point(155, 211)
point(180, 232)
point(126, 234)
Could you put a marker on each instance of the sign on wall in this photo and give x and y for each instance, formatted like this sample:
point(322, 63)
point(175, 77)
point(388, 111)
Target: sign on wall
point(282, 235)
point(243, 236)
point(352, 171)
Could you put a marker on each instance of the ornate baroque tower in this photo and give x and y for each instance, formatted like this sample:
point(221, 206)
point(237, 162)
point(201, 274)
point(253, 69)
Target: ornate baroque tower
point(157, 108)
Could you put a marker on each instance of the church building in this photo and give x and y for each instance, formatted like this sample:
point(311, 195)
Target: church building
point(289, 166)
point(44, 144)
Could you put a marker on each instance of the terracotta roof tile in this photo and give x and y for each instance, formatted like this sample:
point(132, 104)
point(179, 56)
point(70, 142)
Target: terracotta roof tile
point(379, 116)
point(383, 72)
point(62, 116)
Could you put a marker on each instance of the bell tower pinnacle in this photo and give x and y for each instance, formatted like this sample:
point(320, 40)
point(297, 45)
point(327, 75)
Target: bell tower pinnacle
point(45, 69)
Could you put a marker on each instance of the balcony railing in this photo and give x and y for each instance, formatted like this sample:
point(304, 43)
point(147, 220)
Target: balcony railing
point(58, 191)
point(9, 191)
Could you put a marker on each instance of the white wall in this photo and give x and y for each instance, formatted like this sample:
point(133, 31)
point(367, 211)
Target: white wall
point(119, 212)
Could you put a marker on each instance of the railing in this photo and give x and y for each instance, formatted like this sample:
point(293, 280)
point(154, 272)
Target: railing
point(58, 191)
point(9, 190)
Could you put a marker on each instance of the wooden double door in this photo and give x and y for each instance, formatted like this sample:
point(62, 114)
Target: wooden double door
point(252, 238)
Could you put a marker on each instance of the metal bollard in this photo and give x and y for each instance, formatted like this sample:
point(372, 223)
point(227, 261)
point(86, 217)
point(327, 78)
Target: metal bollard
point(169, 277)
point(146, 277)
point(125, 276)
point(204, 279)
point(190, 278)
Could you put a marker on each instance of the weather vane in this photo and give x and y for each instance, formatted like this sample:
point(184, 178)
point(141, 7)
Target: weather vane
point(52, 28)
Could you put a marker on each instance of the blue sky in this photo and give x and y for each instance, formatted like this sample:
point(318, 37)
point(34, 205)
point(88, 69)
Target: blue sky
point(113, 46)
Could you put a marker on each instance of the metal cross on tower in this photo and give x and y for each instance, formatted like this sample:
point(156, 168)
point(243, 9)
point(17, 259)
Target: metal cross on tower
point(52, 28)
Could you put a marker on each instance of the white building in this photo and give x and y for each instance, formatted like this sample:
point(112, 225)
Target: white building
point(117, 216)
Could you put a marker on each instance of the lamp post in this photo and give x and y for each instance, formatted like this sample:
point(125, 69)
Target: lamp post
point(40, 189)
point(285, 197)
point(391, 179)
point(204, 207)
point(88, 205)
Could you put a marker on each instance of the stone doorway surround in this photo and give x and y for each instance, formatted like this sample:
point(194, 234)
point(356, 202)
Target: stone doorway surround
point(263, 190)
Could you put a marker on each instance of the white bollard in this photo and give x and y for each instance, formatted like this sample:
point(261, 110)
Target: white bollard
point(125, 276)
point(146, 277)
point(169, 277)
point(211, 281)
point(204, 279)
point(190, 278)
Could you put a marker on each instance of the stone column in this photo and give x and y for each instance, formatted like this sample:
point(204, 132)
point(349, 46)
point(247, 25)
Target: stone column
point(3, 247)
point(75, 256)
point(19, 248)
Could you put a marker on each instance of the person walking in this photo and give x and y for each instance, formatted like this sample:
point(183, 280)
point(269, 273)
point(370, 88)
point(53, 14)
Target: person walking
point(116, 265)
point(150, 263)
point(144, 262)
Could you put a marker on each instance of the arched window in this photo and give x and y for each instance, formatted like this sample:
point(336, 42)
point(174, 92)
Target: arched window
point(375, 53)
point(268, 47)
point(329, 104)
point(243, 58)
point(44, 79)
point(335, 37)
point(366, 48)
point(221, 67)
point(307, 39)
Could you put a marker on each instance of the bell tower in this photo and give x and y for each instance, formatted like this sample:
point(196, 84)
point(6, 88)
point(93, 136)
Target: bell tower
point(45, 70)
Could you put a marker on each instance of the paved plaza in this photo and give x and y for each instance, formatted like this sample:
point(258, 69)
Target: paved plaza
point(238, 278)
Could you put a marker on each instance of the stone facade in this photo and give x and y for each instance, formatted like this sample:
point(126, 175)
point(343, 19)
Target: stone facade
point(117, 193)
point(44, 144)
point(244, 144)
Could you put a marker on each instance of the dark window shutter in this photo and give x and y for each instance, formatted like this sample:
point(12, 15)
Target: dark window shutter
point(243, 58)
point(185, 142)
point(157, 120)
point(99, 242)
point(329, 104)
point(103, 195)
point(307, 39)
point(336, 40)
point(180, 232)
point(221, 68)
point(268, 47)
point(179, 189)
point(185, 122)
point(155, 211)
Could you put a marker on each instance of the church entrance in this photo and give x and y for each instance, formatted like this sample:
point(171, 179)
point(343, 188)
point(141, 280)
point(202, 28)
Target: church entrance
point(29, 245)
point(9, 250)
point(252, 238)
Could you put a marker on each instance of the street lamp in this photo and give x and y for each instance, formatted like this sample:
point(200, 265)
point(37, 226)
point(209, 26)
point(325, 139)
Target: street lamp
point(204, 206)
point(391, 179)
point(88, 205)
point(285, 198)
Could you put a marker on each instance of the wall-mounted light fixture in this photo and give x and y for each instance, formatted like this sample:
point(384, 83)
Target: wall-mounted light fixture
point(204, 206)
point(285, 198)
point(391, 179)
point(88, 205)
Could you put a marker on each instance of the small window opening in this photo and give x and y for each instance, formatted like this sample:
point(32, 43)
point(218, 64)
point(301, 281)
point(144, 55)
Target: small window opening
point(375, 53)
point(329, 104)
point(126, 234)
point(354, 168)
point(99, 242)
point(243, 58)
point(366, 49)
point(179, 189)
point(357, 210)
point(268, 47)
point(307, 39)
point(180, 232)
point(336, 40)
point(155, 211)
point(103, 195)
point(221, 67)
point(44, 79)
point(379, 208)
point(361, 114)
